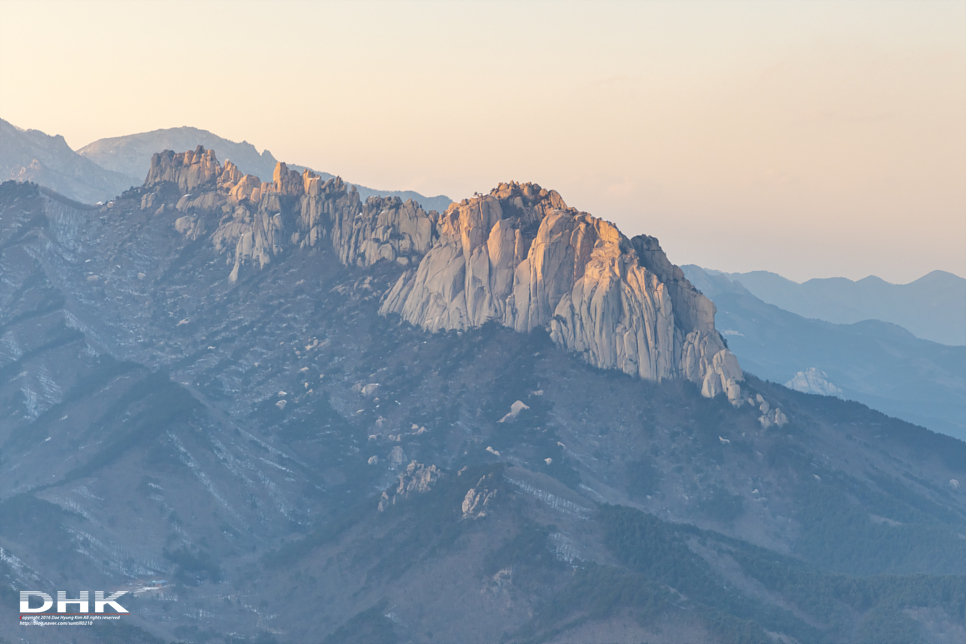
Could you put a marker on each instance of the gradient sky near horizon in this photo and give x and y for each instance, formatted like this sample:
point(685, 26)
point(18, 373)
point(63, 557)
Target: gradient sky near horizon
point(812, 139)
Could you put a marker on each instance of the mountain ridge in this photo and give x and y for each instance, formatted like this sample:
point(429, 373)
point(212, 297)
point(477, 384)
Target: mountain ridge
point(518, 256)
point(131, 154)
point(932, 307)
point(32, 155)
point(878, 363)
point(105, 168)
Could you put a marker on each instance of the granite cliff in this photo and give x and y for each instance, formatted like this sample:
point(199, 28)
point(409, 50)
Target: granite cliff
point(518, 256)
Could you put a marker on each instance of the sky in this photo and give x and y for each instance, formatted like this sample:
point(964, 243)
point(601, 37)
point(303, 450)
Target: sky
point(812, 139)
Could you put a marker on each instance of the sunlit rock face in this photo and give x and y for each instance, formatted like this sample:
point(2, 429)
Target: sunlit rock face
point(518, 256)
point(521, 257)
point(259, 219)
point(384, 228)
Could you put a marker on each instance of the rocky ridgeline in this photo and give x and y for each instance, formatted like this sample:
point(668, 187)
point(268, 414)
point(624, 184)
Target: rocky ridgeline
point(518, 256)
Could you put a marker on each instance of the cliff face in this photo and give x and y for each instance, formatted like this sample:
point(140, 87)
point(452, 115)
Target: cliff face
point(518, 256)
point(258, 220)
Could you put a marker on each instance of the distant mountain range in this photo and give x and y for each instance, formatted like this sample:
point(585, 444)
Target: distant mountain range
point(105, 168)
point(131, 154)
point(31, 155)
point(873, 362)
point(933, 307)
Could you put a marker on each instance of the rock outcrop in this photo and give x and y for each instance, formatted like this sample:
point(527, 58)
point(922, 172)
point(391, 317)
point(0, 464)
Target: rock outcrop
point(417, 479)
point(515, 410)
point(768, 416)
point(477, 499)
point(813, 381)
point(518, 256)
point(260, 219)
point(521, 257)
point(385, 228)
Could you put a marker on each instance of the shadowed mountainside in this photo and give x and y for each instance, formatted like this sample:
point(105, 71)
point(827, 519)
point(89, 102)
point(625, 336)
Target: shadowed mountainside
point(271, 442)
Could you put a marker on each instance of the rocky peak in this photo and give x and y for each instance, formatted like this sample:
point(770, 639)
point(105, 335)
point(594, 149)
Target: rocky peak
point(187, 170)
point(518, 256)
point(288, 182)
point(521, 257)
point(195, 169)
point(525, 201)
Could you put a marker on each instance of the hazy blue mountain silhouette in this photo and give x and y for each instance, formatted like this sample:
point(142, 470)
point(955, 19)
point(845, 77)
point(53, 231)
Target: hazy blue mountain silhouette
point(932, 307)
point(873, 362)
point(31, 155)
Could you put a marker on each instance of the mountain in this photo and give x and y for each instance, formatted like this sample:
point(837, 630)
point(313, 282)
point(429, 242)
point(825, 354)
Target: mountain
point(31, 155)
point(876, 363)
point(933, 307)
point(131, 155)
point(280, 414)
point(518, 256)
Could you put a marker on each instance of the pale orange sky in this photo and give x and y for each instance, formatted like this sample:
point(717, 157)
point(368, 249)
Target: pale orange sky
point(813, 139)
